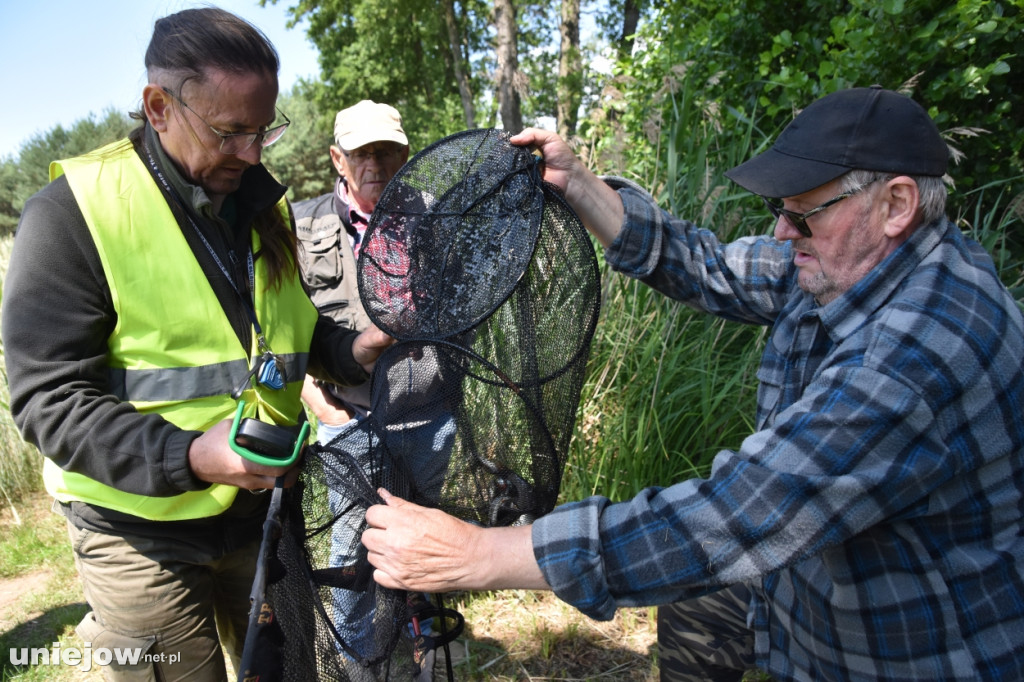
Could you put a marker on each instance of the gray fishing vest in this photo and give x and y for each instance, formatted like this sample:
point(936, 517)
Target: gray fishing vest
point(328, 267)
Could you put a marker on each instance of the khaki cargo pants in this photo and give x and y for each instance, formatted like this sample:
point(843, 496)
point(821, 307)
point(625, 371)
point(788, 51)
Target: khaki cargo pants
point(164, 604)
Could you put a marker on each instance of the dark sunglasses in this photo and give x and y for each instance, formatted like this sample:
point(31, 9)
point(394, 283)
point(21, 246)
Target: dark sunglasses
point(799, 220)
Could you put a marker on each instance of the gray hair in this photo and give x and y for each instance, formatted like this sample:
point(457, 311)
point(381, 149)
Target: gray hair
point(932, 190)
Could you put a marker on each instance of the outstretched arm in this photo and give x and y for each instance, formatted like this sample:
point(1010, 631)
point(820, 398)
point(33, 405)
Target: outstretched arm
point(597, 204)
point(416, 548)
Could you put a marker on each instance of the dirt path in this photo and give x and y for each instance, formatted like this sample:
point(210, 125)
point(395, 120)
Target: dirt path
point(12, 590)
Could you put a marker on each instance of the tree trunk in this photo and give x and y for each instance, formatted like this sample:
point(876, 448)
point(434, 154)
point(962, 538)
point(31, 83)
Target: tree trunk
point(458, 64)
point(570, 70)
point(630, 19)
point(508, 75)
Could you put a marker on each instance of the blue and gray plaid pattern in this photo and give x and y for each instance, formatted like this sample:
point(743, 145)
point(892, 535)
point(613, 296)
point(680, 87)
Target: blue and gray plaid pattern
point(877, 512)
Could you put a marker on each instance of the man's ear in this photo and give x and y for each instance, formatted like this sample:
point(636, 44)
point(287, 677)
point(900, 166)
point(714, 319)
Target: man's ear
point(337, 157)
point(902, 199)
point(156, 104)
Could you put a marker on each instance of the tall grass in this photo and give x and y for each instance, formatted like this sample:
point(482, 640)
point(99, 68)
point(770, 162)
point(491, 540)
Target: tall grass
point(20, 463)
point(669, 387)
point(998, 229)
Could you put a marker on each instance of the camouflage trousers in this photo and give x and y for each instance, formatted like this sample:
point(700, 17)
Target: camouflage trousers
point(707, 638)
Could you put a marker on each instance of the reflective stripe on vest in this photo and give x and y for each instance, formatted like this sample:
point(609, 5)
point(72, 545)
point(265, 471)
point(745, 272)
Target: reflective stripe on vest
point(173, 351)
point(183, 383)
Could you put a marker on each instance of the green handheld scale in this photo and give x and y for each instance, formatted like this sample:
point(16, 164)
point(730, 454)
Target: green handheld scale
point(265, 443)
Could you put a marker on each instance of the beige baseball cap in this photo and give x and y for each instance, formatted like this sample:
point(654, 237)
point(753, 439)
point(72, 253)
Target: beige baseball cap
point(368, 122)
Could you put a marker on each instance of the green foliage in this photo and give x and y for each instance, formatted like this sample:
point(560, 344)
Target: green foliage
point(538, 47)
point(960, 58)
point(397, 52)
point(765, 62)
point(409, 63)
point(301, 158)
point(23, 177)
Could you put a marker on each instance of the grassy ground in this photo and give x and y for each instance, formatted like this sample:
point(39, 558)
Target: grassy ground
point(524, 635)
point(515, 635)
point(40, 597)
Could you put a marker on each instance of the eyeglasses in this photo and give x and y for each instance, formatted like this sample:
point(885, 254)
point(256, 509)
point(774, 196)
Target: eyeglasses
point(799, 220)
point(236, 143)
point(361, 156)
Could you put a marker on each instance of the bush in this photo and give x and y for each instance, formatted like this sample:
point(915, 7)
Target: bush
point(21, 464)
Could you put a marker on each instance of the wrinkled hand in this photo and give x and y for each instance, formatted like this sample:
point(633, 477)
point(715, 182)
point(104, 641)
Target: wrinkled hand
point(560, 164)
point(597, 204)
point(212, 460)
point(368, 346)
point(416, 548)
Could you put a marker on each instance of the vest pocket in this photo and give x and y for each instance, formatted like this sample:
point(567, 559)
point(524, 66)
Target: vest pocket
point(321, 259)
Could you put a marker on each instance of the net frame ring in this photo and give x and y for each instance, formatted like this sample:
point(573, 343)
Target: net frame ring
point(451, 236)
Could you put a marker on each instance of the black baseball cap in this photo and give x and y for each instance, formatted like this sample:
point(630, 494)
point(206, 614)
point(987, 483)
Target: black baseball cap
point(860, 128)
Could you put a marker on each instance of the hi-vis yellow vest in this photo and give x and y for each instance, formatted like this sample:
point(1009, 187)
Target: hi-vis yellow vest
point(173, 351)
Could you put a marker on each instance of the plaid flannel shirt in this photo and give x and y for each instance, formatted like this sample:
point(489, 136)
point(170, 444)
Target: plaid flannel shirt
point(876, 511)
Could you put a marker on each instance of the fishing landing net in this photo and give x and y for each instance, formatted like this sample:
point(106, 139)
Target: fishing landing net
point(489, 283)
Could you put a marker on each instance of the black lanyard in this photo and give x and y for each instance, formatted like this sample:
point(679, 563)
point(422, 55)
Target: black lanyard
point(268, 368)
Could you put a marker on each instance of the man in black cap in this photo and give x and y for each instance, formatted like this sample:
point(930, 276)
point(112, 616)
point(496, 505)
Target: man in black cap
point(871, 527)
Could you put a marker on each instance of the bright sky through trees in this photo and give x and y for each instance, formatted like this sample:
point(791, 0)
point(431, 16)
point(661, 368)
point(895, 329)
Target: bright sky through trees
point(65, 59)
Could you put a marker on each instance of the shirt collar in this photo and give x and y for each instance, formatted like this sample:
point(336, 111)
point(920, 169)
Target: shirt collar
point(343, 202)
point(848, 312)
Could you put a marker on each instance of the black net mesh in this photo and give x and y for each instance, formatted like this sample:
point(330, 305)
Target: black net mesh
point(459, 229)
point(489, 283)
point(326, 578)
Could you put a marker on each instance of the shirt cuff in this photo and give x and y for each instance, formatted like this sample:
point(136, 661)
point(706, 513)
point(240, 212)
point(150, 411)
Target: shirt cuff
point(176, 467)
point(566, 545)
point(636, 249)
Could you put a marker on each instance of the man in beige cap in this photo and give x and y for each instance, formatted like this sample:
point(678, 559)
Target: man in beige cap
point(370, 146)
